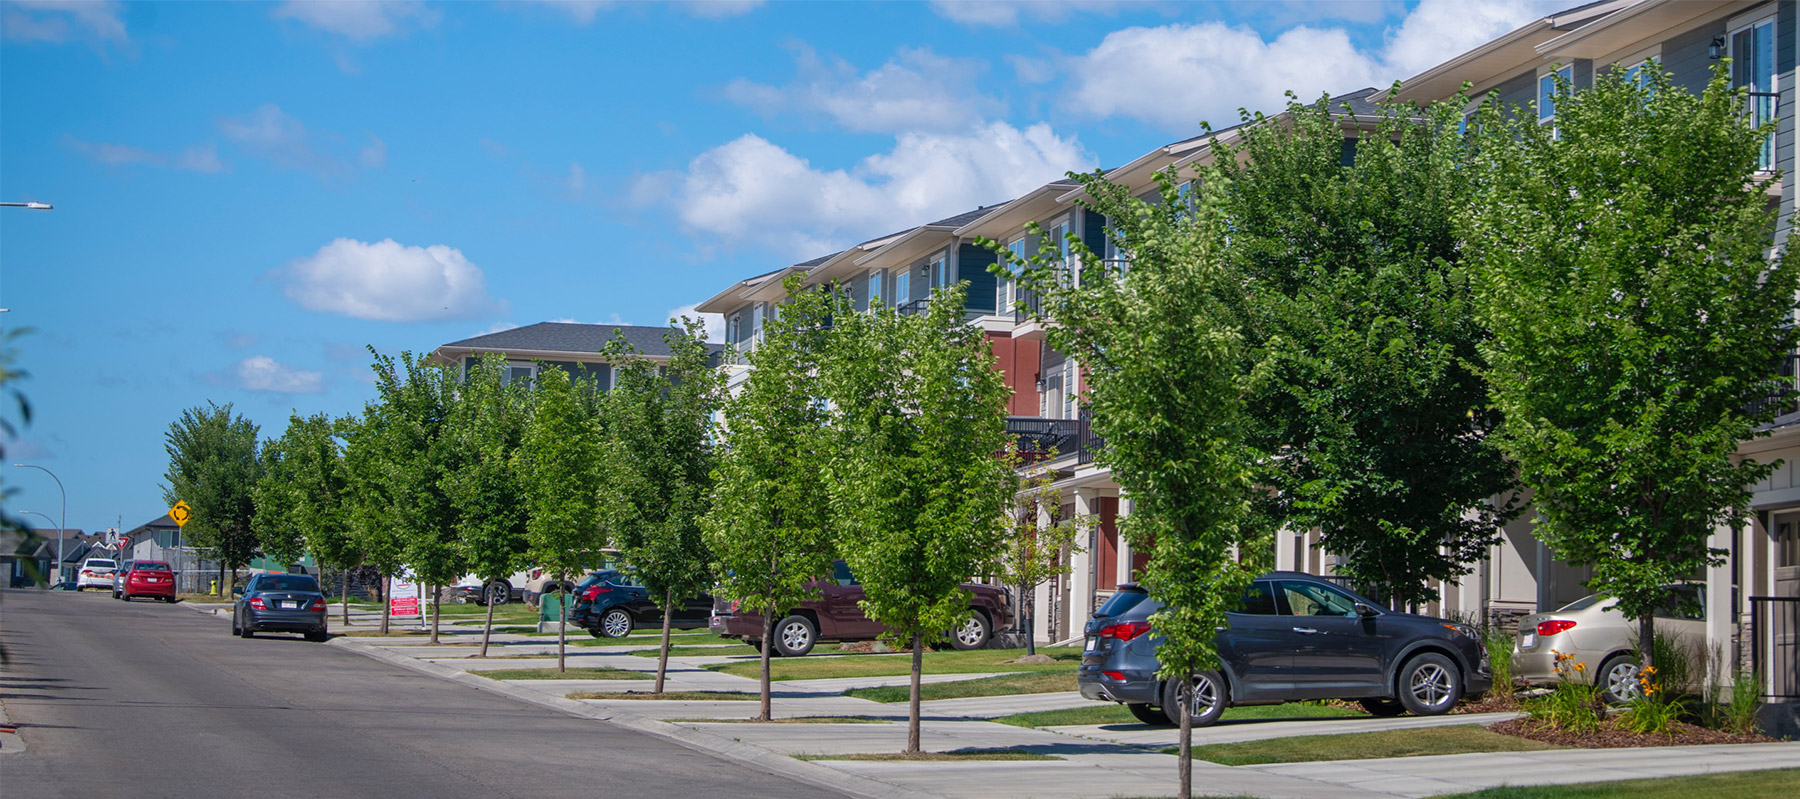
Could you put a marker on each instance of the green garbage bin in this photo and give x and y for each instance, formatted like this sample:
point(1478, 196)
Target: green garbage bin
point(550, 606)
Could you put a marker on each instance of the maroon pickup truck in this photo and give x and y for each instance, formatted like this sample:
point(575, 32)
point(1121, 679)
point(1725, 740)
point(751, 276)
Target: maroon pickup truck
point(835, 616)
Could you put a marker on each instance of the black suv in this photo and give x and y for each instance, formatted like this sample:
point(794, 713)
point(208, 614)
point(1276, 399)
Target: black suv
point(1294, 637)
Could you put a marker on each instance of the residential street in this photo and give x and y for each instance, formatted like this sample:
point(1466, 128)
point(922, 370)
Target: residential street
point(152, 700)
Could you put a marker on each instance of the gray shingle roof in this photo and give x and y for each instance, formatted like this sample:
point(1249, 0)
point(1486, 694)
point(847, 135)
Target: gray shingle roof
point(571, 337)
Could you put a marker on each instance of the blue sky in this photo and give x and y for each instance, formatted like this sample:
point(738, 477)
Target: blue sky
point(249, 194)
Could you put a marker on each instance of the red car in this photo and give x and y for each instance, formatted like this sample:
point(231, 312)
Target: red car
point(835, 616)
point(151, 578)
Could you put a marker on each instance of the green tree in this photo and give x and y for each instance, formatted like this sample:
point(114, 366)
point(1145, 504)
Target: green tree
point(1040, 536)
point(917, 494)
point(213, 466)
point(374, 528)
point(659, 463)
point(413, 411)
point(303, 499)
point(1622, 264)
point(1167, 387)
point(1359, 310)
point(485, 428)
point(558, 464)
point(768, 525)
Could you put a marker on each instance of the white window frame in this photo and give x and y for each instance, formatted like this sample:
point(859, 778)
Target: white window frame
point(939, 265)
point(902, 287)
point(1567, 71)
point(1750, 22)
point(531, 371)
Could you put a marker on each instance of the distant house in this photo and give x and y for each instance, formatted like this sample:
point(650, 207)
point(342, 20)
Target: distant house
point(573, 348)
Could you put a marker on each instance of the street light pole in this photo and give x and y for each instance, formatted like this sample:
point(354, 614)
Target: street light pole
point(65, 513)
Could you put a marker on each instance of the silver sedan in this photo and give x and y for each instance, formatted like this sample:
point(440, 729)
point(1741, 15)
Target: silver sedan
point(1595, 634)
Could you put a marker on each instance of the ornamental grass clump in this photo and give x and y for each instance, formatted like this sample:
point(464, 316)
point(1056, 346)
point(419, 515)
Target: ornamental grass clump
point(1574, 705)
point(1499, 647)
point(1656, 705)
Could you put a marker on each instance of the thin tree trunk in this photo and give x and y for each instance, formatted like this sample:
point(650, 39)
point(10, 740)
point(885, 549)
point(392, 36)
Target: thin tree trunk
point(487, 627)
point(1184, 753)
point(224, 587)
point(562, 628)
point(662, 662)
point(768, 646)
point(344, 595)
point(436, 598)
point(912, 723)
point(1646, 642)
point(386, 607)
point(1025, 619)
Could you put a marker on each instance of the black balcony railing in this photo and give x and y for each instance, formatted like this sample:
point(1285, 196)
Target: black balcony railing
point(1089, 444)
point(913, 308)
point(1785, 399)
point(1038, 437)
point(1760, 109)
point(1028, 307)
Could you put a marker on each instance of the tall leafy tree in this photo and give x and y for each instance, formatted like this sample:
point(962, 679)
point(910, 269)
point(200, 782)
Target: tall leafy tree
point(484, 429)
point(1359, 309)
point(303, 499)
point(374, 529)
point(559, 470)
point(917, 494)
point(1622, 264)
point(659, 464)
point(1040, 537)
point(768, 527)
point(1166, 383)
point(413, 411)
point(214, 467)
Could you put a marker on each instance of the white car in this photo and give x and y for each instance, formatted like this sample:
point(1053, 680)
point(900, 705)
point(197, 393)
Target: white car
point(96, 573)
point(1593, 632)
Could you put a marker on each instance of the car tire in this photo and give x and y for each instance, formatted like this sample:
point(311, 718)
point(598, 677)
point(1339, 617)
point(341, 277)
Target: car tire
point(795, 636)
point(1148, 714)
point(246, 632)
point(1430, 684)
point(235, 630)
point(614, 623)
point(496, 593)
point(318, 636)
point(1382, 707)
point(1618, 678)
point(1211, 694)
point(974, 633)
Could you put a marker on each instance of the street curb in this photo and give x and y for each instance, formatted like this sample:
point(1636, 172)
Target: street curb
point(12, 741)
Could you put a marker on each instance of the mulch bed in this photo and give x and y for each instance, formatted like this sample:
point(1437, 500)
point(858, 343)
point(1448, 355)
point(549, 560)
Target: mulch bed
point(1609, 736)
point(1490, 704)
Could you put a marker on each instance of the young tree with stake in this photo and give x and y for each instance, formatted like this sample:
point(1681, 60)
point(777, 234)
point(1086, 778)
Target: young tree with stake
point(558, 464)
point(303, 500)
point(485, 427)
point(214, 467)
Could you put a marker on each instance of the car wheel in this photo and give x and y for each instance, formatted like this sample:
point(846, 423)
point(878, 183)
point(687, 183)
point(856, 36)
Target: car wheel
point(245, 631)
point(1148, 714)
point(973, 634)
point(1382, 707)
point(1619, 678)
point(318, 636)
point(497, 594)
point(235, 630)
point(1430, 684)
point(615, 623)
point(1207, 698)
point(795, 636)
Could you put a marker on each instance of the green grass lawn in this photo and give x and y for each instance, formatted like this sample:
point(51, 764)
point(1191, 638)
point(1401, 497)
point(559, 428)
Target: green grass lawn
point(1365, 746)
point(583, 673)
point(672, 696)
point(696, 651)
point(1042, 682)
point(958, 754)
point(795, 720)
point(1109, 713)
point(946, 662)
point(1781, 784)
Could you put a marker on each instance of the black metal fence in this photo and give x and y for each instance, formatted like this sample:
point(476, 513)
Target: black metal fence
point(1038, 436)
point(1775, 644)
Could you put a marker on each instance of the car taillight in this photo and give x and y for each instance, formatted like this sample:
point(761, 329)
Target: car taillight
point(318, 605)
point(594, 591)
point(1125, 630)
point(1553, 626)
point(1115, 676)
point(256, 603)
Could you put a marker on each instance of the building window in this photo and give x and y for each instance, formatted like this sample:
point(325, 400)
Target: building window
point(1070, 375)
point(1049, 398)
point(940, 271)
point(519, 370)
point(874, 288)
point(902, 287)
point(734, 328)
point(756, 320)
point(1548, 92)
point(1753, 68)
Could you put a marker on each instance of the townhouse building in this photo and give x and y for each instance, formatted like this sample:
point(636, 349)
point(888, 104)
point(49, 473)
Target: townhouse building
point(574, 348)
point(1519, 575)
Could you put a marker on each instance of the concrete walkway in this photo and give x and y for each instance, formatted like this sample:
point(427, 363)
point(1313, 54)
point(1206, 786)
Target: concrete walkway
point(1090, 761)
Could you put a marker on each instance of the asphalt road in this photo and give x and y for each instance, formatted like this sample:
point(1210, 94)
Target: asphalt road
point(153, 700)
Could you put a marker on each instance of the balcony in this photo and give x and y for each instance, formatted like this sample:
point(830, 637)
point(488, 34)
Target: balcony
point(1760, 109)
point(1784, 400)
point(914, 308)
point(1038, 437)
point(1028, 323)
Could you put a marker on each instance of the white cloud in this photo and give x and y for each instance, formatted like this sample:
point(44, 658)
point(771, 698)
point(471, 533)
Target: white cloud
point(389, 281)
point(62, 21)
point(199, 158)
point(1437, 30)
point(1031, 70)
point(916, 90)
point(1177, 76)
point(373, 154)
point(715, 323)
point(751, 190)
point(360, 21)
point(1006, 13)
point(270, 133)
point(263, 373)
point(720, 9)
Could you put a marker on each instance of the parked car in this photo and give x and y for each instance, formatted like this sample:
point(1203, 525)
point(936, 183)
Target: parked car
point(836, 616)
point(1293, 637)
point(543, 582)
point(471, 589)
point(96, 573)
point(608, 604)
point(149, 578)
point(118, 578)
point(289, 603)
point(1593, 632)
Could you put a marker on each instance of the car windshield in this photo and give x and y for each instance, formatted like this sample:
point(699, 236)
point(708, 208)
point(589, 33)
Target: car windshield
point(1124, 600)
point(1581, 604)
point(287, 582)
point(151, 567)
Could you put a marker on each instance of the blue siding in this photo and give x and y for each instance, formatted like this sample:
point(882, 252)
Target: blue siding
point(1684, 57)
point(972, 262)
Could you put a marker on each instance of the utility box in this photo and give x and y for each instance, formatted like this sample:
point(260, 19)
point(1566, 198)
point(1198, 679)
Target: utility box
point(550, 611)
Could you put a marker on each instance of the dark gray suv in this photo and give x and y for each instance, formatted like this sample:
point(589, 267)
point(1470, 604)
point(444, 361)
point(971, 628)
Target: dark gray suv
point(1294, 637)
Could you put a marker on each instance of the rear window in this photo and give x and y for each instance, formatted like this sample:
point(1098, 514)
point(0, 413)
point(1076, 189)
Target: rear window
point(287, 582)
point(150, 567)
point(102, 564)
point(1119, 603)
point(1581, 604)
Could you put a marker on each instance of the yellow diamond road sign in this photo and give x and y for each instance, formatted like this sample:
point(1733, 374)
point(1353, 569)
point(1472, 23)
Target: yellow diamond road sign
point(181, 513)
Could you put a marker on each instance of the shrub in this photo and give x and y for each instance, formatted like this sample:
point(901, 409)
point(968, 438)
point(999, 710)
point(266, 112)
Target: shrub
point(1575, 704)
point(1499, 648)
point(1738, 712)
point(1654, 708)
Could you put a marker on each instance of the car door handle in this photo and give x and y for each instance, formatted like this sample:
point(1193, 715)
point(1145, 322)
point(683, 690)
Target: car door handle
point(1306, 631)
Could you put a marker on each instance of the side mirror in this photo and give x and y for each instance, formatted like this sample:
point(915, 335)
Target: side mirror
point(237, 590)
point(1366, 611)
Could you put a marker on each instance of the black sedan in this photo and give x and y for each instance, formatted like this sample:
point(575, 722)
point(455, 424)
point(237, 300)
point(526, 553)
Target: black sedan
point(286, 603)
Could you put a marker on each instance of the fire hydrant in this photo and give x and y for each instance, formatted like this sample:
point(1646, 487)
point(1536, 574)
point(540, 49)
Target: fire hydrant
point(214, 590)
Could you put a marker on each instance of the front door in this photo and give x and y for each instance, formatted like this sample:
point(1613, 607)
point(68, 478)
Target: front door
point(1254, 646)
point(1337, 653)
